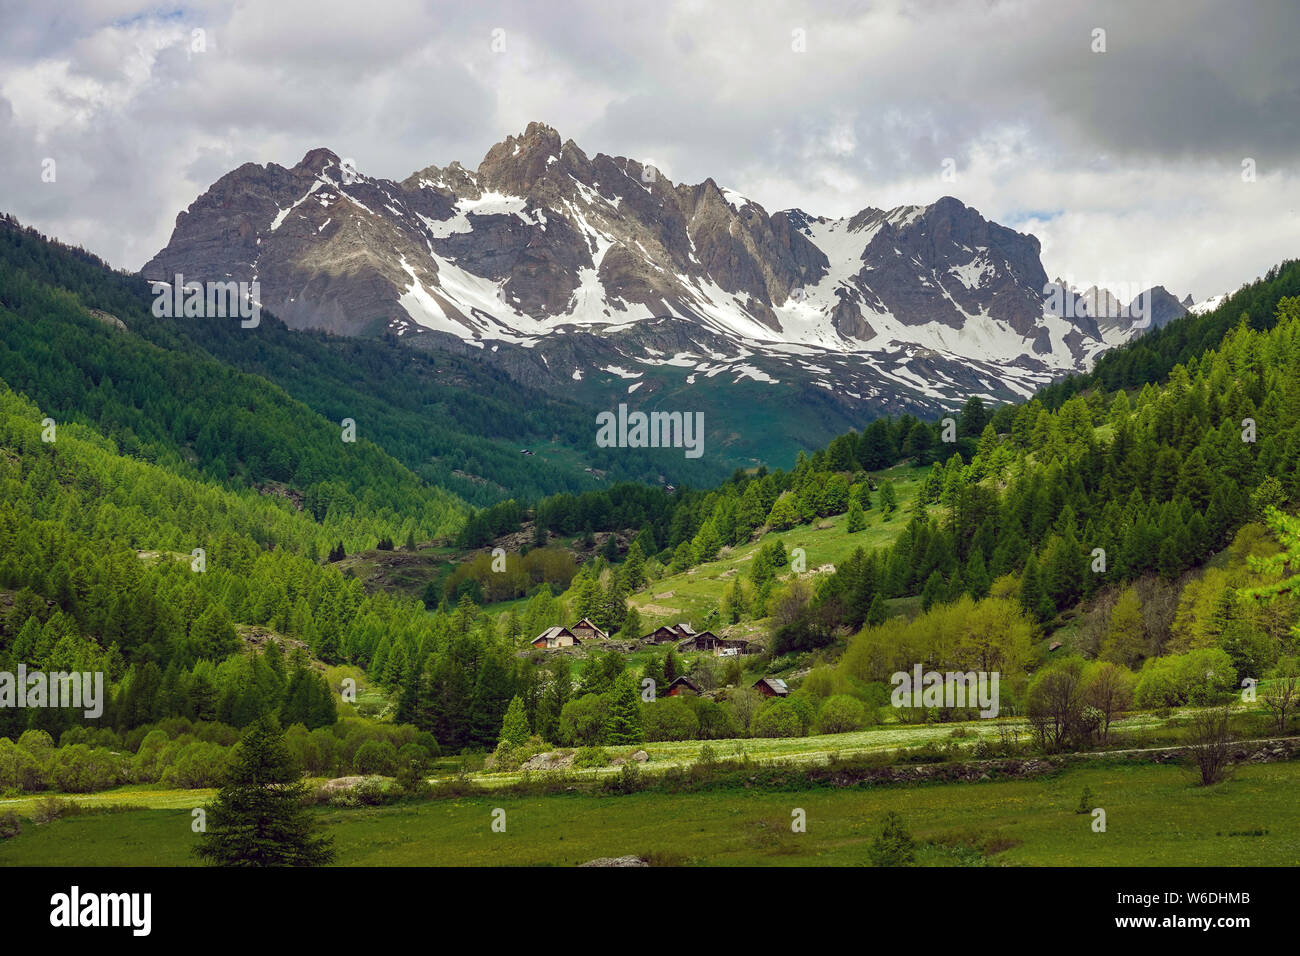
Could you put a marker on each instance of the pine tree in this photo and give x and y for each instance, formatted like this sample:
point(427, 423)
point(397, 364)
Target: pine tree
point(888, 499)
point(258, 817)
point(514, 728)
point(934, 590)
point(634, 567)
point(1033, 596)
point(672, 667)
point(493, 690)
point(855, 521)
point(977, 576)
point(1125, 640)
point(624, 725)
point(877, 613)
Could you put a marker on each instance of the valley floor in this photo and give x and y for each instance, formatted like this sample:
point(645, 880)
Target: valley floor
point(1155, 816)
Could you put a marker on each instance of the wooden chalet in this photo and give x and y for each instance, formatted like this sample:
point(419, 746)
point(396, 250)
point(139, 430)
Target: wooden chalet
point(681, 684)
point(554, 637)
point(584, 630)
point(703, 641)
point(771, 687)
point(668, 634)
point(733, 646)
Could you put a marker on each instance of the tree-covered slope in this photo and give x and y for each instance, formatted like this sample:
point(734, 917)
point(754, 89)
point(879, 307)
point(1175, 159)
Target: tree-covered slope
point(187, 411)
point(1153, 356)
point(457, 422)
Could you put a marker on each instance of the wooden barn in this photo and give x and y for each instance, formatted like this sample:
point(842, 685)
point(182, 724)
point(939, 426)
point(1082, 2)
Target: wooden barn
point(584, 630)
point(703, 641)
point(554, 637)
point(771, 687)
point(681, 684)
point(668, 634)
point(733, 646)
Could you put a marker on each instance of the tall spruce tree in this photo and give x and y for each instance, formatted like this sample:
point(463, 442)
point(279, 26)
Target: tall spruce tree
point(258, 817)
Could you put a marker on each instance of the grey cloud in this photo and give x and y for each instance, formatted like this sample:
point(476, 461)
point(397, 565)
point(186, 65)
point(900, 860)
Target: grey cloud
point(885, 93)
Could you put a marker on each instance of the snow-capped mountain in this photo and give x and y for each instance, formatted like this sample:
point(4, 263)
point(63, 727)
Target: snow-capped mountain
point(572, 269)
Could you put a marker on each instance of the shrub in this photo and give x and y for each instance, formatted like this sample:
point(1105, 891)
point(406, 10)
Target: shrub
point(508, 757)
point(375, 757)
point(10, 825)
point(369, 792)
point(19, 770)
point(582, 721)
point(841, 714)
point(716, 722)
point(1198, 677)
point(79, 769)
point(197, 765)
point(49, 809)
point(893, 846)
point(777, 719)
point(669, 718)
point(591, 757)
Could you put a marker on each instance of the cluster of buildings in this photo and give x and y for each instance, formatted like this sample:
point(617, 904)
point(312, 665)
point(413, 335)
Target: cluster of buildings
point(686, 639)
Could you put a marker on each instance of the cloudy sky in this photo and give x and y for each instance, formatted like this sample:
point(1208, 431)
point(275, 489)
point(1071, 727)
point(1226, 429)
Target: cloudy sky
point(1121, 150)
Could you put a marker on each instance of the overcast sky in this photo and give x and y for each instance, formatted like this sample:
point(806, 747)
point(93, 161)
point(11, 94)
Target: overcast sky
point(1127, 163)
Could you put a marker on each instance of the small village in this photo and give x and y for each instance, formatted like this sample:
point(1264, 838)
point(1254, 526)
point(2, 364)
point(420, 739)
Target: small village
point(585, 635)
point(682, 635)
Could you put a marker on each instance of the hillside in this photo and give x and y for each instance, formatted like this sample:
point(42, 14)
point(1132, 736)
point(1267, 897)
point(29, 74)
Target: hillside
point(599, 279)
point(456, 423)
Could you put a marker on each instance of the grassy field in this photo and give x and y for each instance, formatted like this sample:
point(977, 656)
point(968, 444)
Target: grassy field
point(1155, 816)
point(696, 592)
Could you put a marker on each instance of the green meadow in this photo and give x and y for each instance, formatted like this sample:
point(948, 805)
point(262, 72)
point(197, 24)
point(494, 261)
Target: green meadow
point(1155, 815)
point(696, 592)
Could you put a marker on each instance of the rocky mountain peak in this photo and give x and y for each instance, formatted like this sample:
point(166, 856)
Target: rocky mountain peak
point(542, 239)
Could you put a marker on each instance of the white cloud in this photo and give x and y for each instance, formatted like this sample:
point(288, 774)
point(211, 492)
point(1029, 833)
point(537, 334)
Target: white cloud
point(1124, 164)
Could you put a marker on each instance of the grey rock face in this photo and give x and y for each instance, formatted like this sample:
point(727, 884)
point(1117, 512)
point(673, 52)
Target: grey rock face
point(600, 260)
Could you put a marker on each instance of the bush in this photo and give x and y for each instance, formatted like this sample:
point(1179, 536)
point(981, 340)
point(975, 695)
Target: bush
point(19, 770)
point(509, 757)
point(79, 769)
point(1199, 677)
point(627, 780)
point(582, 721)
point(375, 757)
point(196, 765)
point(841, 714)
point(49, 809)
point(10, 825)
point(369, 792)
point(669, 718)
point(894, 845)
point(591, 757)
point(716, 722)
point(777, 719)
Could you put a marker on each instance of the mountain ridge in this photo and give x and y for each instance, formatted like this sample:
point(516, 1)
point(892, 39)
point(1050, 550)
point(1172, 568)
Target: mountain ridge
point(916, 305)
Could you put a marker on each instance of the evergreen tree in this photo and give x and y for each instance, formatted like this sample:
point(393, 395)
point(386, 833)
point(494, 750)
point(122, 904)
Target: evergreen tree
point(514, 727)
point(934, 591)
point(1125, 640)
point(877, 613)
point(634, 567)
point(493, 691)
point(258, 817)
point(855, 521)
point(624, 725)
point(888, 499)
point(1033, 596)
